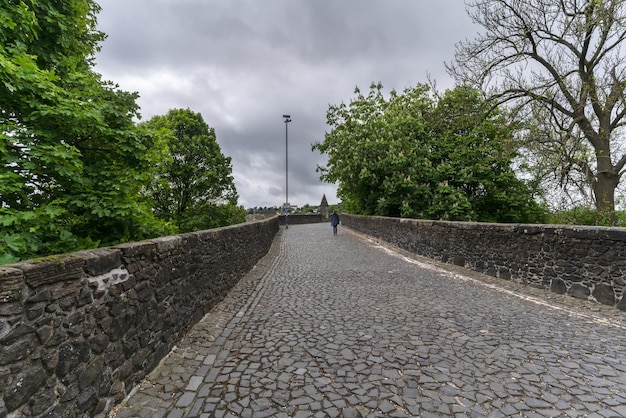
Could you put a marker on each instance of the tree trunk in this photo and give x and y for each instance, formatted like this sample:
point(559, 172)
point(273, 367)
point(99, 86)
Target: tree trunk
point(606, 180)
point(604, 192)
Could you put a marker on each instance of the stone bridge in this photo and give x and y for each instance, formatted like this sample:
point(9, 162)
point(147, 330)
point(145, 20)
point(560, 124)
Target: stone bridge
point(349, 326)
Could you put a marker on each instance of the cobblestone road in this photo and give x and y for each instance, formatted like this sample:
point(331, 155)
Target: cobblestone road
point(339, 326)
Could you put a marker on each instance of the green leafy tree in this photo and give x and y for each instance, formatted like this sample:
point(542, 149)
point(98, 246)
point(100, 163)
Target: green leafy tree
point(414, 156)
point(375, 149)
point(194, 188)
point(476, 149)
point(72, 161)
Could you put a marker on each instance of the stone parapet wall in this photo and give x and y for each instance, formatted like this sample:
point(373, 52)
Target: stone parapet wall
point(309, 218)
point(79, 331)
point(583, 262)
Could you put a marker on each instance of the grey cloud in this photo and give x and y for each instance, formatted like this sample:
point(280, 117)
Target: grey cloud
point(244, 63)
point(235, 33)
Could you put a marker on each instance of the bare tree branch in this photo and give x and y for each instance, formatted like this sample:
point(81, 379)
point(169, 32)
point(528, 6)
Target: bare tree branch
point(567, 56)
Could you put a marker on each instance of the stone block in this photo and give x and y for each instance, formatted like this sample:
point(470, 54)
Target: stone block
point(145, 295)
point(129, 282)
point(100, 407)
point(118, 391)
point(529, 230)
point(64, 290)
point(118, 328)
point(101, 261)
point(67, 303)
point(70, 356)
point(558, 286)
point(124, 371)
point(137, 250)
point(90, 373)
point(44, 334)
point(9, 309)
point(580, 232)
point(35, 311)
point(69, 392)
point(113, 356)
point(84, 297)
point(59, 337)
point(54, 269)
point(17, 332)
point(50, 359)
point(11, 284)
point(19, 350)
point(24, 386)
point(42, 400)
point(99, 343)
point(612, 234)
point(579, 291)
point(168, 245)
point(87, 400)
point(43, 295)
point(605, 294)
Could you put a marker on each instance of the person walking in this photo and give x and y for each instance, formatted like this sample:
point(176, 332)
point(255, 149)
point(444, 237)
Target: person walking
point(334, 221)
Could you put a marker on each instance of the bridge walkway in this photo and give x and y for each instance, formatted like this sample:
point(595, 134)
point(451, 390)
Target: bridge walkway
point(341, 326)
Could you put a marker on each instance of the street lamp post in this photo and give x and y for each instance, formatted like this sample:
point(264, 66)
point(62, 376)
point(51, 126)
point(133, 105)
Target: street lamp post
point(287, 205)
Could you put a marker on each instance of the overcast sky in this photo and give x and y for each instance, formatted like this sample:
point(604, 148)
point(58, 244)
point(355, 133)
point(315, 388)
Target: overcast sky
point(244, 63)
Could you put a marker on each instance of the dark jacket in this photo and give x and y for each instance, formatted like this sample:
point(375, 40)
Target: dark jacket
point(334, 219)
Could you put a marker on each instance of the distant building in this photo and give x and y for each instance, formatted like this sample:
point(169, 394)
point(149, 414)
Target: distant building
point(324, 207)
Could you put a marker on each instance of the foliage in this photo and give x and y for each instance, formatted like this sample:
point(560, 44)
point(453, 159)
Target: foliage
point(264, 209)
point(566, 59)
point(555, 160)
point(476, 148)
point(306, 208)
point(586, 215)
point(194, 188)
point(338, 207)
point(72, 161)
point(414, 156)
point(371, 147)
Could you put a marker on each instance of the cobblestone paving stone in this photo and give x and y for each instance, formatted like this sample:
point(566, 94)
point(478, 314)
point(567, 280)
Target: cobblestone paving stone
point(342, 326)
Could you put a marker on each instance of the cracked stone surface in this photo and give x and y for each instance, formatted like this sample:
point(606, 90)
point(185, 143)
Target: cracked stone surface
point(342, 326)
